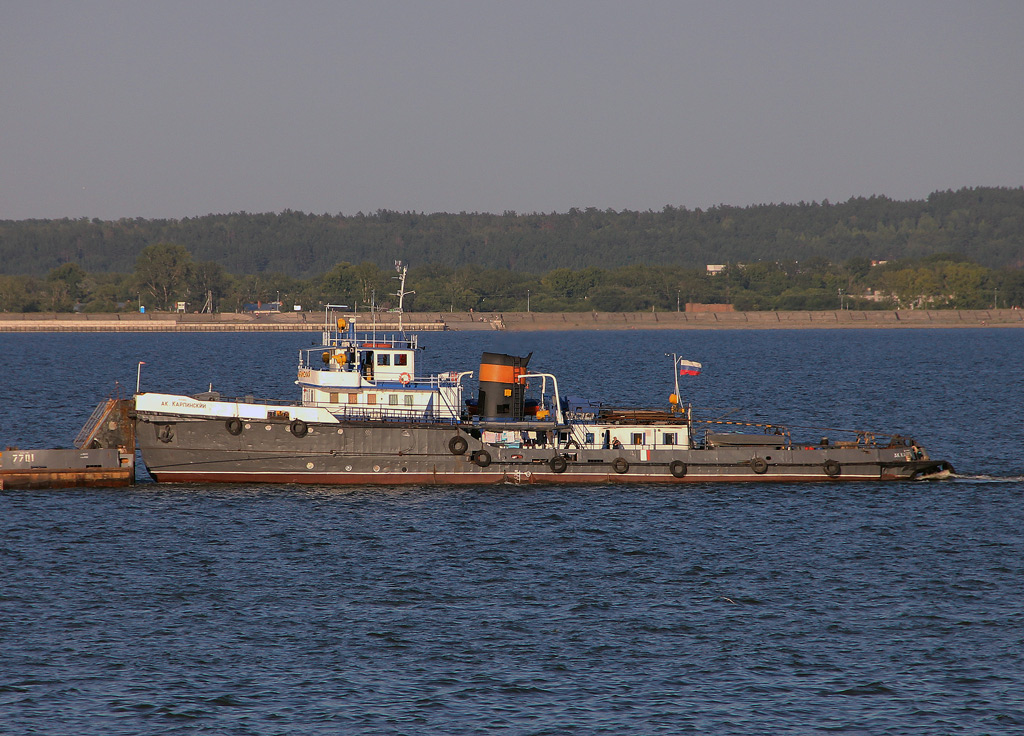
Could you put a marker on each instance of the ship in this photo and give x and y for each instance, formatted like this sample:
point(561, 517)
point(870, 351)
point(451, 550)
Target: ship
point(367, 416)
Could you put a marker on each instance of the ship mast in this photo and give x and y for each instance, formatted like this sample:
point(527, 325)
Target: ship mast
point(675, 373)
point(402, 271)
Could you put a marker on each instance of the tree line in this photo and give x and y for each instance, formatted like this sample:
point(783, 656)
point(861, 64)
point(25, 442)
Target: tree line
point(167, 273)
point(983, 225)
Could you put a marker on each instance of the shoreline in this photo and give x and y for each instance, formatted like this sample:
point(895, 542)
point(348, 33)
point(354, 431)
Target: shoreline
point(518, 321)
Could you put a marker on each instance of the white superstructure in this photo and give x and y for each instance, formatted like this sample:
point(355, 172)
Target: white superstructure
point(370, 374)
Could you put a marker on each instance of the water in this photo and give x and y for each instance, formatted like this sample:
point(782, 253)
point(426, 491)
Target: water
point(850, 608)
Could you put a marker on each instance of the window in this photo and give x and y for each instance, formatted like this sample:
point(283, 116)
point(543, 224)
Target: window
point(392, 399)
point(383, 359)
point(590, 438)
point(401, 359)
point(353, 398)
point(371, 399)
point(637, 438)
point(408, 399)
point(334, 397)
point(670, 438)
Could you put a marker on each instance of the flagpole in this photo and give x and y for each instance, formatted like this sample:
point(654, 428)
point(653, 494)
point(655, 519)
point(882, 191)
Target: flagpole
point(138, 375)
point(675, 373)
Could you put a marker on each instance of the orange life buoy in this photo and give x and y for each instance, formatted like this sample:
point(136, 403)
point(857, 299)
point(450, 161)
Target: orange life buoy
point(405, 378)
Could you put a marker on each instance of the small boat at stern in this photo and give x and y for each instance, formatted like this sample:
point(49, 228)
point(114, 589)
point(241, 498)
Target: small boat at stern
point(367, 415)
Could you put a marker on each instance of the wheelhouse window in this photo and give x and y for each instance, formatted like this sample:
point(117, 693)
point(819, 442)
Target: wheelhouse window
point(383, 359)
point(401, 359)
point(637, 438)
point(669, 438)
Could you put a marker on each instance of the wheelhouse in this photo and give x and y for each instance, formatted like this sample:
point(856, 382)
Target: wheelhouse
point(371, 374)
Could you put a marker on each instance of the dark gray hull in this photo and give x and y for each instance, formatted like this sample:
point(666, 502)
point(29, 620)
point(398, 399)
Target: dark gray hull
point(21, 469)
point(177, 449)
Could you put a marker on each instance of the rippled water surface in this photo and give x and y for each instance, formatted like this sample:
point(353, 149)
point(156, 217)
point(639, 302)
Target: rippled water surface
point(848, 608)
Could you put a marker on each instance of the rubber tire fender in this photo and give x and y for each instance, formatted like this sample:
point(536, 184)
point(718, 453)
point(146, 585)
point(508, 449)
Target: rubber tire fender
point(759, 465)
point(677, 468)
point(832, 468)
point(482, 458)
point(233, 426)
point(558, 464)
point(620, 465)
point(298, 428)
point(457, 445)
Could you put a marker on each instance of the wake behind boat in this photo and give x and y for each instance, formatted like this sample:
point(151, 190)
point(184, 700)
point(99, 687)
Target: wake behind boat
point(367, 416)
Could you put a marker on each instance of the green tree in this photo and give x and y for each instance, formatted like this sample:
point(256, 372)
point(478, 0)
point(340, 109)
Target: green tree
point(209, 277)
point(165, 271)
point(64, 287)
point(17, 294)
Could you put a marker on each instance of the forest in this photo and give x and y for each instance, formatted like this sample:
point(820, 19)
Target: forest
point(166, 274)
point(955, 249)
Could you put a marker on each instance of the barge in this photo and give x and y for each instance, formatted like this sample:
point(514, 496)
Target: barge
point(103, 456)
point(368, 416)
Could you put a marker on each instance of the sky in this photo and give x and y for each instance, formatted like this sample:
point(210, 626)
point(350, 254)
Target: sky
point(180, 109)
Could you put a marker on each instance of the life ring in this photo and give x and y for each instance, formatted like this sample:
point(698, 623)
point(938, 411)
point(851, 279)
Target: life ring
point(558, 464)
point(759, 465)
point(405, 378)
point(457, 445)
point(620, 465)
point(832, 468)
point(298, 428)
point(234, 426)
point(482, 458)
point(677, 468)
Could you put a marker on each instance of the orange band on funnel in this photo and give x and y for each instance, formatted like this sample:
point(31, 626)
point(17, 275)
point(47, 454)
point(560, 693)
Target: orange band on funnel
point(490, 373)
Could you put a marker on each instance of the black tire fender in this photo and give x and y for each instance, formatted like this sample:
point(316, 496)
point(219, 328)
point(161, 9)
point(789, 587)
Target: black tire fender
point(832, 468)
point(233, 426)
point(558, 464)
point(677, 468)
point(620, 465)
point(299, 428)
point(759, 465)
point(482, 458)
point(457, 445)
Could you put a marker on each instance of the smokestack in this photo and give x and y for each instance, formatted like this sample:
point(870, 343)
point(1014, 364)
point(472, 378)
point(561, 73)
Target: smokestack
point(501, 392)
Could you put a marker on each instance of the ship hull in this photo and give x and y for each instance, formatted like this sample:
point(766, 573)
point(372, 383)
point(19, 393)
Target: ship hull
point(204, 450)
point(36, 469)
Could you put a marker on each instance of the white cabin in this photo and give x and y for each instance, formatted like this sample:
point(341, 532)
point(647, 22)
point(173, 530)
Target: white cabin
point(372, 375)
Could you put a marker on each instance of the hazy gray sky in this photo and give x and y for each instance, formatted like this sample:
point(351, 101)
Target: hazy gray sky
point(175, 109)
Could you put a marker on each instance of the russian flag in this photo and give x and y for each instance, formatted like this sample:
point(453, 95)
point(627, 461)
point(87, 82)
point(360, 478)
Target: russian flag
point(689, 368)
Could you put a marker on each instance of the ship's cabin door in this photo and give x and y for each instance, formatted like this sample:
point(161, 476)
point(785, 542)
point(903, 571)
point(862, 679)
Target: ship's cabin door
point(366, 364)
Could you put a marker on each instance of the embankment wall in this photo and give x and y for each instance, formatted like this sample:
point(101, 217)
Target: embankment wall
point(518, 321)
